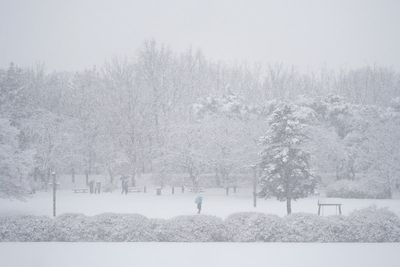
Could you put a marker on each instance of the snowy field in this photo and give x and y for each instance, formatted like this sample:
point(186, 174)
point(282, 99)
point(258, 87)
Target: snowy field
point(198, 255)
point(168, 205)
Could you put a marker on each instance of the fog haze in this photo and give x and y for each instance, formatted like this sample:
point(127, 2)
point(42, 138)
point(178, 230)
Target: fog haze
point(71, 35)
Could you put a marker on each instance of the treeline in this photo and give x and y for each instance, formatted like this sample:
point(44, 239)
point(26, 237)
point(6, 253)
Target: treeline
point(145, 114)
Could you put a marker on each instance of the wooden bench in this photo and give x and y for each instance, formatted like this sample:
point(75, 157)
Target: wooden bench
point(134, 189)
point(80, 190)
point(338, 206)
point(198, 190)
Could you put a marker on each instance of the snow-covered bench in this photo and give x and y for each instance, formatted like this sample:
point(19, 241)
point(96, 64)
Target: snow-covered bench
point(196, 190)
point(338, 206)
point(134, 189)
point(80, 190)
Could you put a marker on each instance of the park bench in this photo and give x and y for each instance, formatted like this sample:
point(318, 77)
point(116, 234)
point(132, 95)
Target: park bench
point(134, 189)
point(338, 207)
point(80, 190)
point(196, 190)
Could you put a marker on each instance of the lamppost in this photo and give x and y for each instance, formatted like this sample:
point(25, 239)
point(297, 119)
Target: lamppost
point(54, 183)
point(255, 180)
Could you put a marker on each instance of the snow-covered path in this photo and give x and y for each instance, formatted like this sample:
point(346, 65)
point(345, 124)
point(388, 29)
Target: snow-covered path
point(198, 254)
point(168, 205)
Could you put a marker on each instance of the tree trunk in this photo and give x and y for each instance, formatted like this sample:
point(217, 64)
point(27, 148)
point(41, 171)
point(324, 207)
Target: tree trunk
point(73, 175)
point(133, 178)
point(217, 178)
point(254, 186)
point(388, 186)
point(289, 206)
point(193, 179)
point(87, 177)
point(111, 176)
point(47, 178)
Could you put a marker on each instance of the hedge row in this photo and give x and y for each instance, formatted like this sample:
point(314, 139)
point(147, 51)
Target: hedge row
point(364, 188)
point(367, 225)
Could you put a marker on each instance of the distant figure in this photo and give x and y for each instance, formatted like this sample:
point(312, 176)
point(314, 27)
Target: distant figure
point(198, 201)
point(91, 186)
point(124, 185)
point(97, 188)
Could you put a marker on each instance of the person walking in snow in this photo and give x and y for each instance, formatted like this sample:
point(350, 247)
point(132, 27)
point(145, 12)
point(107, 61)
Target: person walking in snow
point(97, 188)
point(91, 187)
point(199, 202)
point(124, 185)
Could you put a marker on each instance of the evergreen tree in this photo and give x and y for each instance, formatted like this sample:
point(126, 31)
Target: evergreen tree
point(284, 164)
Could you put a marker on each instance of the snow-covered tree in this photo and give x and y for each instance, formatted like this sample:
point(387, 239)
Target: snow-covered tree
point(55, 140)
point(231, 131)
point(185, 152)
point(284, 163)
point(15, 164)
point(379, 151)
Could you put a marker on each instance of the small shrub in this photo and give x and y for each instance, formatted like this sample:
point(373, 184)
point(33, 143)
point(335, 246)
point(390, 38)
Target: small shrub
point(366, 225)
point(26, 228)
point(107, 227)
point(364, 188)
point(109, 187)
point(303, 227)
point(73, 227)
point(374, 225)
point(253, 227)
point(122, 227)
point(196, 228)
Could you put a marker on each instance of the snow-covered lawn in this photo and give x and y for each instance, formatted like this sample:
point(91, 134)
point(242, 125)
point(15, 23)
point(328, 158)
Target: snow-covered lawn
point(198, 254)
point(168, 205)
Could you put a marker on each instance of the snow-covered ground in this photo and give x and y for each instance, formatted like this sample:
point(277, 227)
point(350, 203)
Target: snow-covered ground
point(168, 205)
point(198, 254)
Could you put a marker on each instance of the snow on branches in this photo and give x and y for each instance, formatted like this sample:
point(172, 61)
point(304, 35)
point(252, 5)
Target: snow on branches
point(284, 163)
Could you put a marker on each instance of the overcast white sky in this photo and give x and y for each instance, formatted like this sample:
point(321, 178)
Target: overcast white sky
point(74, 34)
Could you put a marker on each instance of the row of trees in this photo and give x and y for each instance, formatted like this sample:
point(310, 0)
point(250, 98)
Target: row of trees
point(162, 112)
point(310, 138)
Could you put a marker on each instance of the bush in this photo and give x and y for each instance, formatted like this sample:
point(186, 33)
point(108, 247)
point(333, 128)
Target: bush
point(364, 188)
point(122, 227)
point(109, 187)
point(197, 228)
point(73, 227)
point(304, 227)
point(374, 225)
point(253, 227)
point(104, 227)
point(26, 228)
point(367, 225)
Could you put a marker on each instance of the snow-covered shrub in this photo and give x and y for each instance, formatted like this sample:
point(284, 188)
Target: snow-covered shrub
point(367, 225)
point(26, 228)
point(253, 226)
point(107, 227)
point(305, 227)
point(197, 228)
point(73, 227)
point(109, 187)
point(364, 188)
point(374, 225)
point(121, 227)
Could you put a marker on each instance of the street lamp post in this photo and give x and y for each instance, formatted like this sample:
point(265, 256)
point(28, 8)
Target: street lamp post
point(54, 192)
point(254, 186)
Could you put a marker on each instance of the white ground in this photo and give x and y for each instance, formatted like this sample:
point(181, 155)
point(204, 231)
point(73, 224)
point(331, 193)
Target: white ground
point(199, 254)
point(188, 254)
point(168, 205)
